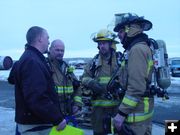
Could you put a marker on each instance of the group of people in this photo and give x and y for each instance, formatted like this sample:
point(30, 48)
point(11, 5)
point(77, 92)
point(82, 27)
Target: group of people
point(47, 92)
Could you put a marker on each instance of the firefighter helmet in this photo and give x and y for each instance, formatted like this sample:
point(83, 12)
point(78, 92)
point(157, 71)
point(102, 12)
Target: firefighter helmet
point(121, 20)
point(105, 35)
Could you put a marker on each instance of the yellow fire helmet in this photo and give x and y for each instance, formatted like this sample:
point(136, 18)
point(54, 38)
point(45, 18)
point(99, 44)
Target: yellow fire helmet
point(105, 35)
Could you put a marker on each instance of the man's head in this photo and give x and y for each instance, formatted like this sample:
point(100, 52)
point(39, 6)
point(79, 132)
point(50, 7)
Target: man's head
point(129, 25)
point(106, 41)
point(56, 50)
point(38, 38)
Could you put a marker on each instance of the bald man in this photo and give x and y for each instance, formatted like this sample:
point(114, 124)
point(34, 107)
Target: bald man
point(66, 83)
point(56, 50)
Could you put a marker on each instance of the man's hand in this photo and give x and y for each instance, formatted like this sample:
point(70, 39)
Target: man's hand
point(96, 87)
point(118, 121)
point(113, 85)
point(61, 125)
point(76, 84)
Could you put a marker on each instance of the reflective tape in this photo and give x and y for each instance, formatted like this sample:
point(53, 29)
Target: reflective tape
point(104, 80)
point(138, 117)
point(131, 101)
point(78, 99)
point(62, 89)
point(150, 64)
point(146, 104)
point(104, 103)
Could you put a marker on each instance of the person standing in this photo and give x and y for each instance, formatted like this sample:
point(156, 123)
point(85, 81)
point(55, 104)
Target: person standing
point(37, 106)
point(136, 109)
point(96, 77)
point(66, 84)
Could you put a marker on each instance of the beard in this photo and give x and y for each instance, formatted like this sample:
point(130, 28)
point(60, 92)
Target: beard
point(59, 57)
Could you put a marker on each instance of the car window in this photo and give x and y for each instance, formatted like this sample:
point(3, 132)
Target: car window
point(176, 62)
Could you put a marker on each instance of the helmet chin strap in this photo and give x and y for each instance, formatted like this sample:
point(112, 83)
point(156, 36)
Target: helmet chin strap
point(126, 29)
point(124, 41)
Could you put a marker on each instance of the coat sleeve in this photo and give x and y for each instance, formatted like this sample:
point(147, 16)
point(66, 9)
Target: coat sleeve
point(36, 93)
point(137, 77)
point(11, 77)
point(77, 91)
point(87, 76)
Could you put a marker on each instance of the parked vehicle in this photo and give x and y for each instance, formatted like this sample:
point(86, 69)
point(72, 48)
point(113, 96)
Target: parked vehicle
point(175, 66)
point(6, 62)
point(77, 64)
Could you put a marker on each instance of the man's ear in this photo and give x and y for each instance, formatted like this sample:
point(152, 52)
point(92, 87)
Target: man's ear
point(39, 38)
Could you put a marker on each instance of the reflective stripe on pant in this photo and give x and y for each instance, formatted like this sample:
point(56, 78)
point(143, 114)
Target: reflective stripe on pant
point(139, 117)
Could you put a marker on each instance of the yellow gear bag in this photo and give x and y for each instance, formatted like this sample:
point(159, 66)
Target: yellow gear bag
point(69, 130)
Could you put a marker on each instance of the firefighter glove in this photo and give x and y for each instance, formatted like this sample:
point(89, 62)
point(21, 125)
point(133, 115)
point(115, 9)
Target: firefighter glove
point(76, 84)
point(118, 121)
point(61, 125)
point(96, 87)
point(113, 86)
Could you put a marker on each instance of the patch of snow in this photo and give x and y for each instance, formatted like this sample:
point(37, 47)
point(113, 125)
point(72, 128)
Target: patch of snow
point(7, 124)
point(4, 75)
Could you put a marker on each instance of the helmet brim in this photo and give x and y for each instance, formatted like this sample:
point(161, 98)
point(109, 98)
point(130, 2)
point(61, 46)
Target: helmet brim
point(105, 39)
point(145, 24)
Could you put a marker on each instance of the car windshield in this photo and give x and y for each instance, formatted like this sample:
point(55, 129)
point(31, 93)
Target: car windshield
point(176, 62)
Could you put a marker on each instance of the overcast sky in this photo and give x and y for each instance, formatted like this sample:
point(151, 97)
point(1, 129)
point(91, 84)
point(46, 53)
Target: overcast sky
point(74, 21)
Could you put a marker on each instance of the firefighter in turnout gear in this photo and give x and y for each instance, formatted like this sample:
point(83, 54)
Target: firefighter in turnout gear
point(66, 83)
point(96, 76)
point(136, 109)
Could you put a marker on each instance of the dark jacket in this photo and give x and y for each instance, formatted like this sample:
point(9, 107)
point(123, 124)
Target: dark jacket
point(36, 100)
point(11, 78)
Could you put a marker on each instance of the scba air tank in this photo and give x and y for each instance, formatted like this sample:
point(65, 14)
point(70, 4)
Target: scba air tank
point(162, 66)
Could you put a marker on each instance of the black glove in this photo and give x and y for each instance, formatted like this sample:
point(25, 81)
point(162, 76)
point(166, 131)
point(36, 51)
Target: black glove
point(76, 84)
point(115, 89)
point(113, 86)
point(96, 87)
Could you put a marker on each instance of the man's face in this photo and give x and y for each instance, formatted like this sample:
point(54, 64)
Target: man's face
point(44, 41)
point(57, 51)
point(104, 47)
point(121, 34)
